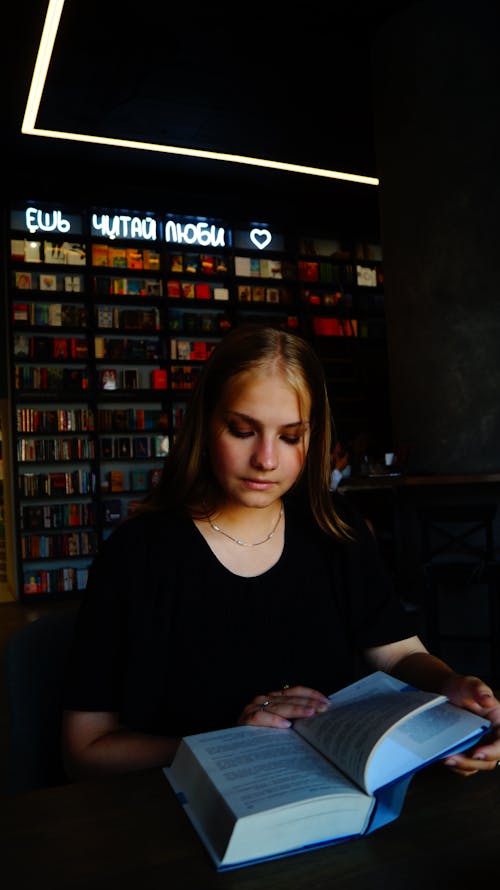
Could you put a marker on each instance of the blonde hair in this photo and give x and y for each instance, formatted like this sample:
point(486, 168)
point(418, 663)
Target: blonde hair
point(187, 481)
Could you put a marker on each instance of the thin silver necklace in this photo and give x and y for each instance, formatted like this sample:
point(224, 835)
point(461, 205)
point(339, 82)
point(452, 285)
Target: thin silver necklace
point(241, 543)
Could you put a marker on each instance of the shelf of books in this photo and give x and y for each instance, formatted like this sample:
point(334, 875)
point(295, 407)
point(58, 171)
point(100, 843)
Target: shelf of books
point(111, 317)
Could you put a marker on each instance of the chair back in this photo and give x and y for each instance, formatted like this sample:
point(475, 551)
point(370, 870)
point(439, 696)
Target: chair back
point(35, 658)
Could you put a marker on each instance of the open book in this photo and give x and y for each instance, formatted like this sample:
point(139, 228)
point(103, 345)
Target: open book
point(255, 793)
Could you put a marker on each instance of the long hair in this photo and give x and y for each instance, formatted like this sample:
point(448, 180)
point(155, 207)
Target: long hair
point(187, 481)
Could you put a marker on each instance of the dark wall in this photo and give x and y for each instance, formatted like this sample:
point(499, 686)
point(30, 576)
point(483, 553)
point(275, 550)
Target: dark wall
point(436, 87)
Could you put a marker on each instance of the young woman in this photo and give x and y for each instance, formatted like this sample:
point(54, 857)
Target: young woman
point(242, 591)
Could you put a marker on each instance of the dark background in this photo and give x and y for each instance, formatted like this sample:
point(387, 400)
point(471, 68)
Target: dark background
point(282, 83)
point(408, 92)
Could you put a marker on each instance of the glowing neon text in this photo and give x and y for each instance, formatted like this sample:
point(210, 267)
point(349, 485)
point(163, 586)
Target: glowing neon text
point(121, 226)
point(194, 233)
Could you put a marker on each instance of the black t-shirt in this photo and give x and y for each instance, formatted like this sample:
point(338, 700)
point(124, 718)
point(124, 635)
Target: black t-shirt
point(176, 643)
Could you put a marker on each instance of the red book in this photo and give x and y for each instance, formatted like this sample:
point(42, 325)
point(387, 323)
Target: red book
point(174, 288)
point(159, 378)
point(202, 291)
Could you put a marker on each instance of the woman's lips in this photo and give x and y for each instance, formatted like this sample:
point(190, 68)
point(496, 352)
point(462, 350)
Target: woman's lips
point(259, 484)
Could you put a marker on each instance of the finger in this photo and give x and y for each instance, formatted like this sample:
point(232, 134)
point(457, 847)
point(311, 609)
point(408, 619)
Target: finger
point(293, 707)
point(471, 765)
point(301, 692)
point(262, 715)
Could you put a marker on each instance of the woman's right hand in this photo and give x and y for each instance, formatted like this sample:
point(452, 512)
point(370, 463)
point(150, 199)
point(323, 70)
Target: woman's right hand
point(278, 709)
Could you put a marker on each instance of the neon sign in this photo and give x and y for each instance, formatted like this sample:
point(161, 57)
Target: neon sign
point(260, 238)
point(124, 226)
point(45, 221)
point(201, 233)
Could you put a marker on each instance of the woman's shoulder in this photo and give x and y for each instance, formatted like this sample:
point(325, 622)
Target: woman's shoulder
point(148, 527)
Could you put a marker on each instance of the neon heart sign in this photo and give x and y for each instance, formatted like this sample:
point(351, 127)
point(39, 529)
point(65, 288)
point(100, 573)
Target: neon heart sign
point(260, 238)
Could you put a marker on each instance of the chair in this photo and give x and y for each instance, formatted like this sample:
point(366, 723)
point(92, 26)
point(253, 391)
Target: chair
point(34, 669)
point(461, 596)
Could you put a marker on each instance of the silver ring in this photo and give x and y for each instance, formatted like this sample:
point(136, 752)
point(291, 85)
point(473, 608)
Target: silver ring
point(265, 704)
point(498, 762)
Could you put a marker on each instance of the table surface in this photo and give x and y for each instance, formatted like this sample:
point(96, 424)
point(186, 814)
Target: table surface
point(388, 480)
point(130, 831)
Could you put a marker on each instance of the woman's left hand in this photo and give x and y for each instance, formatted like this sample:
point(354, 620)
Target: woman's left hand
point(475, 695)
point(281, 707)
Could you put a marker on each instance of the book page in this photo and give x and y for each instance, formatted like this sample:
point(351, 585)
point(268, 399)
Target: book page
point(420, 739)
point(359, 716)
point(253, 792)
point(256, 768)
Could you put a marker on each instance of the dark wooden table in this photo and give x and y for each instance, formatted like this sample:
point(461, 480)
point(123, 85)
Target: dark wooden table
point(130, 831)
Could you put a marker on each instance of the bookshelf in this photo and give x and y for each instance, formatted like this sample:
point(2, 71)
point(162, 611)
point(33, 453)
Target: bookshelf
point(112, 314)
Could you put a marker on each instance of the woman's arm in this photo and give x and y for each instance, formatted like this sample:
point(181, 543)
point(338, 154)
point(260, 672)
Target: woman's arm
point(409, 661)
point(94, 743)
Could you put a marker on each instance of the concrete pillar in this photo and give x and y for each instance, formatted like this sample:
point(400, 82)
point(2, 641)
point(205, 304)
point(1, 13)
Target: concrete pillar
point(437, 108)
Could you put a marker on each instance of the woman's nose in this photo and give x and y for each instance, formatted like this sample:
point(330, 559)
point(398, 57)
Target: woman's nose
point(265, 454)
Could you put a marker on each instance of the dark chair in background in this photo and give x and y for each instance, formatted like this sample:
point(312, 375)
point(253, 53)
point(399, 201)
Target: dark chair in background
point(35, 659)
point(461, 595)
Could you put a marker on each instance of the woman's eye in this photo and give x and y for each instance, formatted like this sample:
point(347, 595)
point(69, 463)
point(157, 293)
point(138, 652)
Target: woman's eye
point(291, 440)
point(240, 433)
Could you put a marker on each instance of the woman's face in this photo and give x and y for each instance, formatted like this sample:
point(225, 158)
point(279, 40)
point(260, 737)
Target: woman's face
point(258, 438)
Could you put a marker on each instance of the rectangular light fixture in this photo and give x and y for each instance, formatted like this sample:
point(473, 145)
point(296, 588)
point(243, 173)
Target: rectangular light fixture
point(29, 128)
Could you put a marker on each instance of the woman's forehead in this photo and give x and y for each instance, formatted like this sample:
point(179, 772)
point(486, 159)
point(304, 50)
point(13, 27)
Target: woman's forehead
point(258, 389)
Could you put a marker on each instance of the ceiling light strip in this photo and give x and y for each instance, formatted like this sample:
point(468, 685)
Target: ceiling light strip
point(42, 63)
point(49, 33)
point(199, 153)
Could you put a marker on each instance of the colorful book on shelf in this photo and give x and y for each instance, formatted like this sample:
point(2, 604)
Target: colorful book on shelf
point(202, 291)
point(110, 378)
point(207, 264)
point(130, 377)
point(22, 346)
point(188, 290)
point(117, 257)
point(123, 447)
point(366, 276)
point(140, 447)
point(118, 286)
point(159, 378)
point(308, 271)
point(139, 480)
point(116, 480)
point(105, 316)
point(106, 447)
point(255, 267)
point(176, 262)
point(23, 280)
point(17, 249)
point(151, 259)
point(135, 258)
point(20, 312)
point(221, 293)
point(192, 263)
point(242, 266)
point(73, 283)
point(244, 293)
point(174, 289)
point(153, 287)
point(73, 316)
point(60, 348)
point(99, 255)
point(338, 775)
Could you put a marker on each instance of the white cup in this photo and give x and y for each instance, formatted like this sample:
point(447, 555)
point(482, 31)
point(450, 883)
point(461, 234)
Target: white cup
point(389, 458)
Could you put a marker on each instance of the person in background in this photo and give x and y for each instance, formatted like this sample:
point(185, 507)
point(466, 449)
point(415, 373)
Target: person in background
point(340, 466)
point(242, 591)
